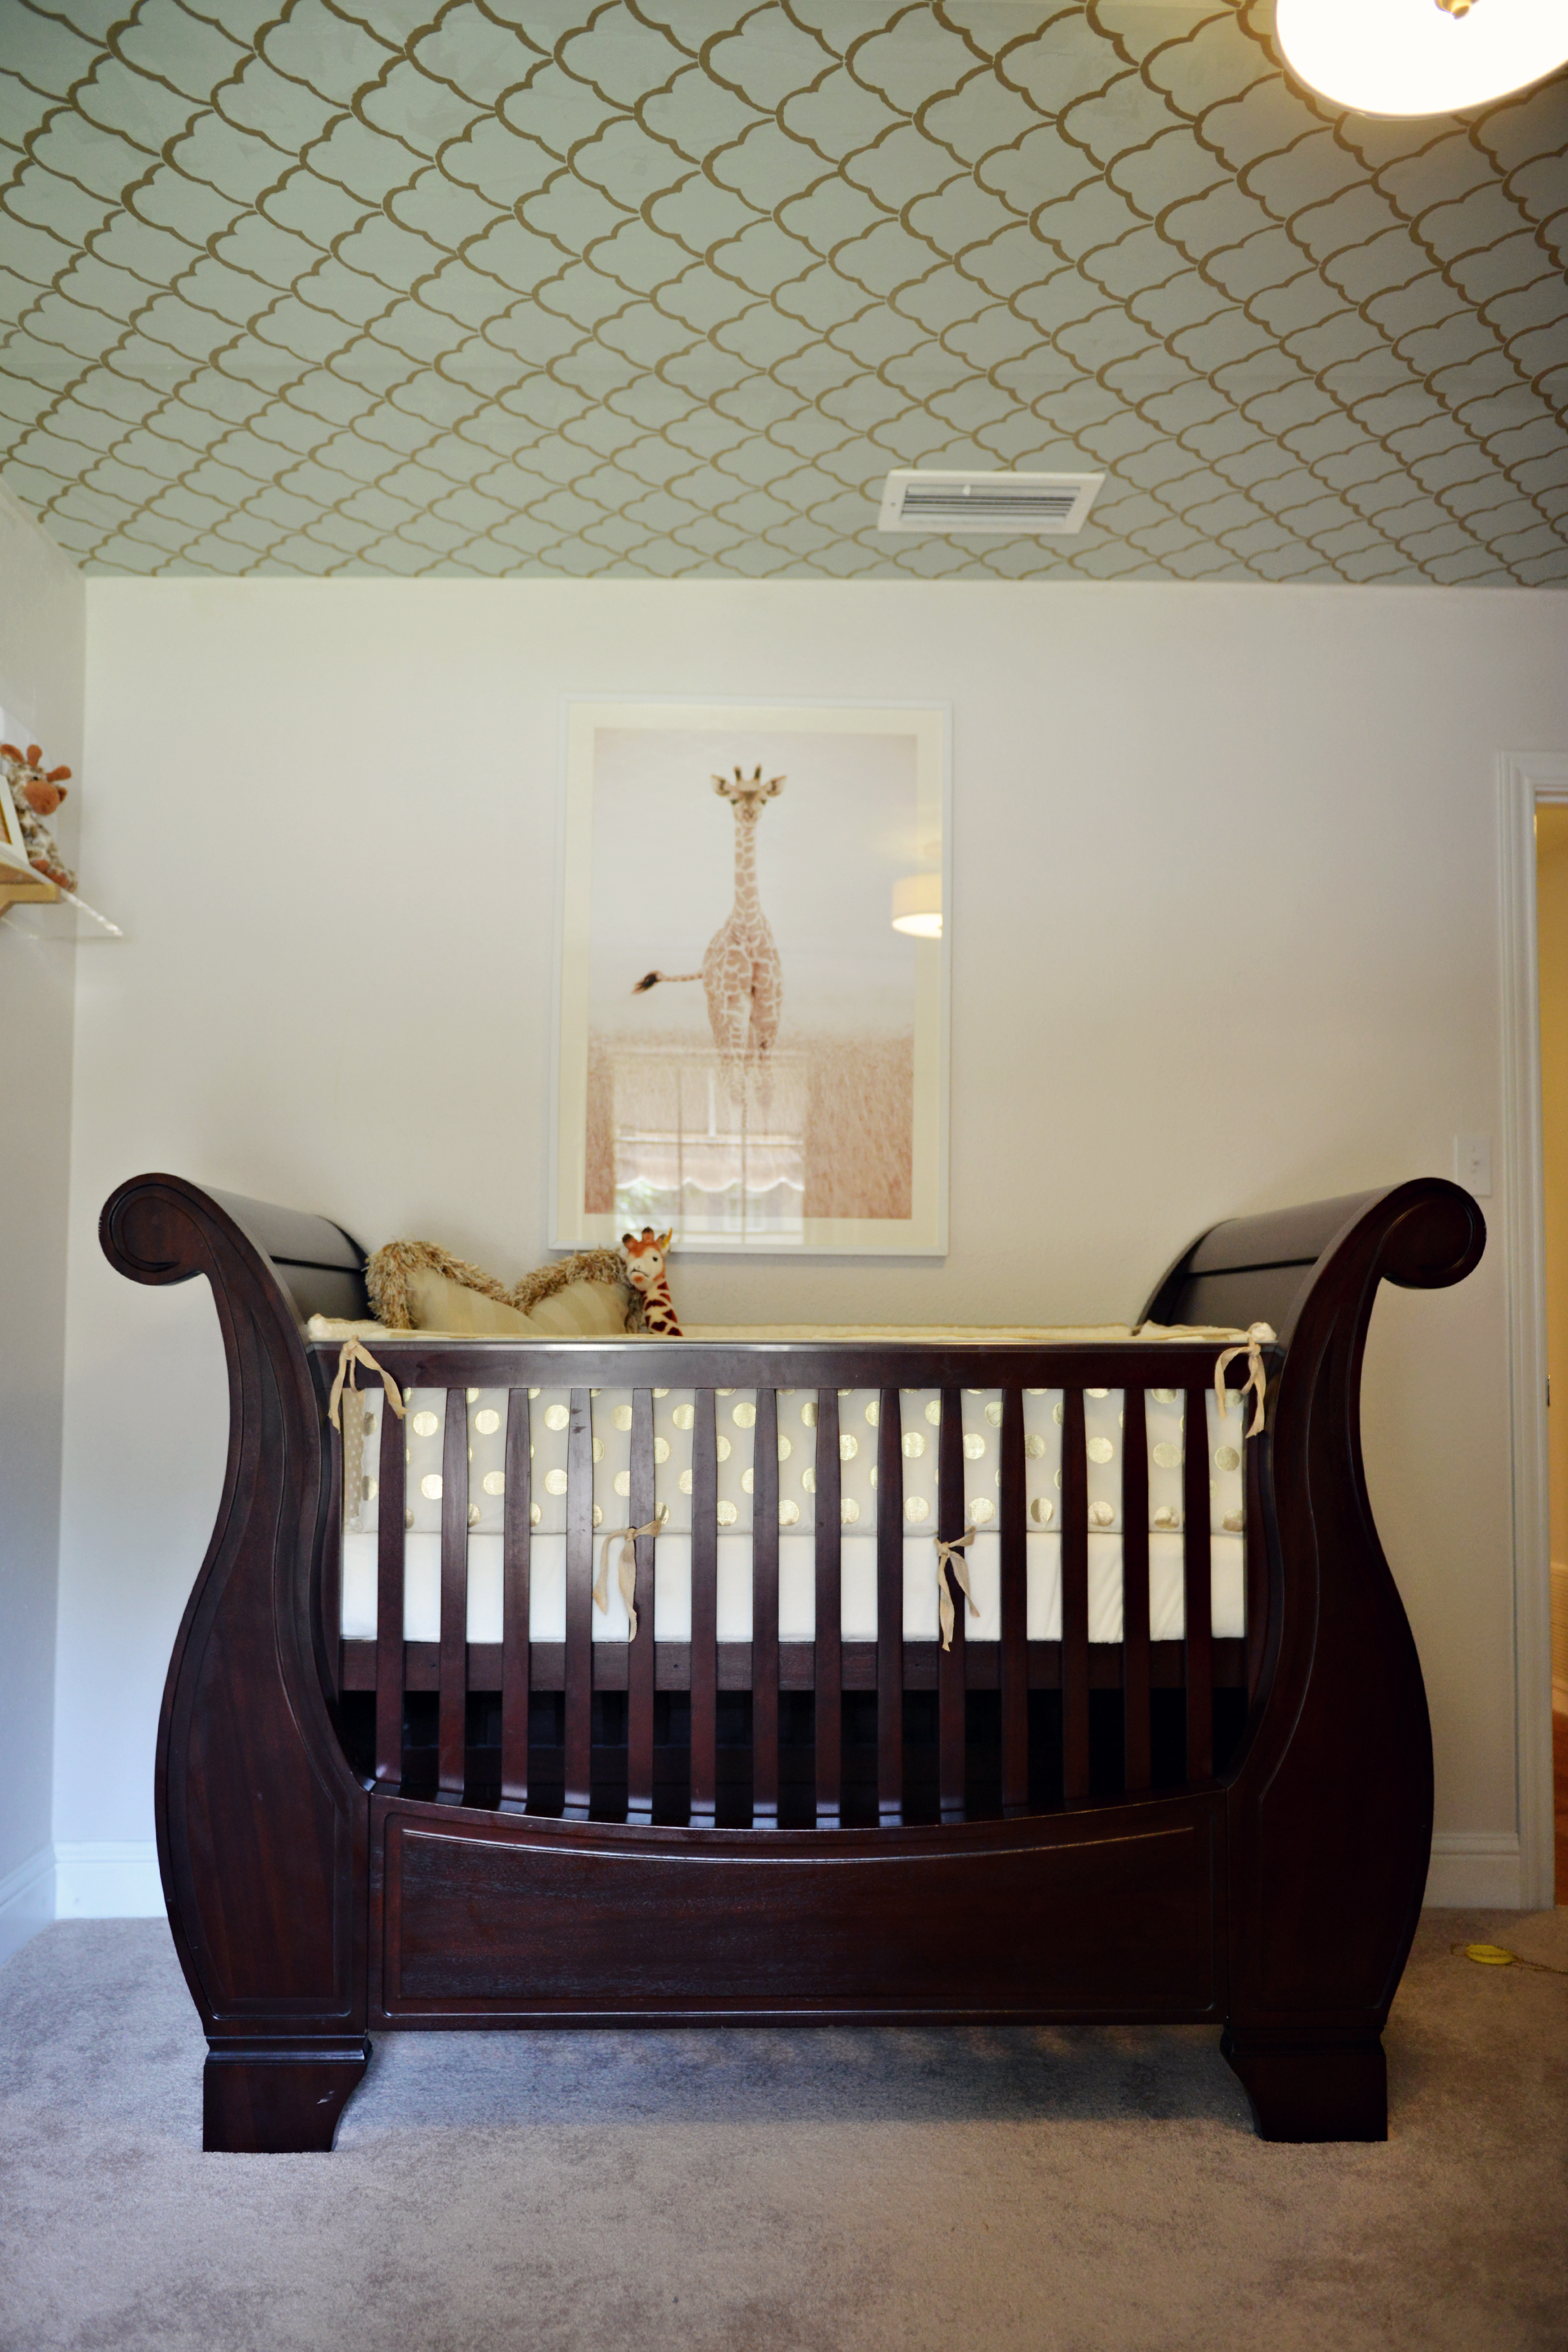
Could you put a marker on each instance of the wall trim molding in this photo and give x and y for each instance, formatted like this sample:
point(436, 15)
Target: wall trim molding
point(117, 1879)
point(107, 1879)
point(27, 1901)
point(1525, 778)
point(1477, 1870)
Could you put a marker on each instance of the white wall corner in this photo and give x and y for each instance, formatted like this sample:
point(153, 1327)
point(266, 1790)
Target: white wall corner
point(27, 1901)
point(115, 1879)
point(1477, 1870)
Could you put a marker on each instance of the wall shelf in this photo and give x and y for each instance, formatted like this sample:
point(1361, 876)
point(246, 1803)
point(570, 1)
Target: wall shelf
point(17, 888)
point(69, 921)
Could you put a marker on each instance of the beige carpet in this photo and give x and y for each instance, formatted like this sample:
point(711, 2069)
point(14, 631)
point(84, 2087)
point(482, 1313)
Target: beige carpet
point(783, 2191)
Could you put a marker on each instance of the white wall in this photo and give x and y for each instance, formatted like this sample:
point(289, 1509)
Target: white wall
point(42, 621)
point(1225, 938)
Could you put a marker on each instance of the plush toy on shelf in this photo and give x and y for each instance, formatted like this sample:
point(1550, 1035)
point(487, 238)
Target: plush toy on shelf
point(646, 1272)
point(36, 792)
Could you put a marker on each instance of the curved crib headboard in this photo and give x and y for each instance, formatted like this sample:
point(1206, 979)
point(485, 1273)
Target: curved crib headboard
point(1262, 1269)
point(321, 1266)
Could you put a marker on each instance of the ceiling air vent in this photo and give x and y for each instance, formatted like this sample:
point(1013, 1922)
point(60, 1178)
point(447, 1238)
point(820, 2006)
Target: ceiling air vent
point(1047, 504)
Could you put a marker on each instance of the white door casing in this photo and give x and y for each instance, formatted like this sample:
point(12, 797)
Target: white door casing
point(1525, 778)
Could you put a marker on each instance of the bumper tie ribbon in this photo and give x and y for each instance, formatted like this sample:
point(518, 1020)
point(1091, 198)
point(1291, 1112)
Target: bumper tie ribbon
point(626, 1566)
point(352, 1354)
point(951, 1556)
point(1258, 1337)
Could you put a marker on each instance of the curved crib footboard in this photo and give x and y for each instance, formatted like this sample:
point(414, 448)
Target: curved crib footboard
point(262, 1828)
point(1329, 1818)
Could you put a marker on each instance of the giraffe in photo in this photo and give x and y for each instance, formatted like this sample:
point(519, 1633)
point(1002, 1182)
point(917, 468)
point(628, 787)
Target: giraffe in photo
point(740, 973)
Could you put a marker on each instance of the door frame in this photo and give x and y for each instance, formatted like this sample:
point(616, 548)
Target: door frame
point(1525, 780)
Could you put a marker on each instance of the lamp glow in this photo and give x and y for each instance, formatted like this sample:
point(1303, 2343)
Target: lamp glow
point(1421, 56)
point(917, 906)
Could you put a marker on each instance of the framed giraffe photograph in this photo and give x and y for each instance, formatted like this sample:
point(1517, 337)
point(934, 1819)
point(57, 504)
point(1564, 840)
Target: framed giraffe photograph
point(752, 1029)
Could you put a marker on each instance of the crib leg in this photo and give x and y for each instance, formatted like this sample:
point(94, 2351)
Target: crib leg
point(278, 2098)
point(1313, 2091)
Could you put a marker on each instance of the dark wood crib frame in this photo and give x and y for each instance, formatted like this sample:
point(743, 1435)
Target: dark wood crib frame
point(322, 1883)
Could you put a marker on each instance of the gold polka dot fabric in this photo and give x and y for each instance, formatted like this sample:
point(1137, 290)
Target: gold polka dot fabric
point(797, 1438)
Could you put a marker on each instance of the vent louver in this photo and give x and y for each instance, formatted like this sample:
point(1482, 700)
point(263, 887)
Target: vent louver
point(1042, 505)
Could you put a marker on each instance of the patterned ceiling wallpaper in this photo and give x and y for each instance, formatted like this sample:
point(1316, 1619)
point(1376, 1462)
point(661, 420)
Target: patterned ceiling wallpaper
point(657, 287)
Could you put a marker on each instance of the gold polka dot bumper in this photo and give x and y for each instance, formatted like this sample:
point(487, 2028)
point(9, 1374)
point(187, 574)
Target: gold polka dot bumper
point(857, 1446)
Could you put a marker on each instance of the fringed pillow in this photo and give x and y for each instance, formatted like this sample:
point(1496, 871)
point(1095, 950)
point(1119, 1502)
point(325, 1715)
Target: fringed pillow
point(419, 1287)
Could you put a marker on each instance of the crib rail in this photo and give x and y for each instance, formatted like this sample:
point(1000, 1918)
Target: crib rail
point(648, 1729)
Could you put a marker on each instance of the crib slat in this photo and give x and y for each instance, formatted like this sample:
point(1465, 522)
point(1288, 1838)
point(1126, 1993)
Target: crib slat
point(830, 1648)
point(951, 1692)
point(704, 1613)
point(1256, 1559)
point(579, 1704)
point(1013, 1662)
point(1135, 1591)
point(1195, 1564)
point(765, 1612)
point(1075, 1601)
point(332, 1554)
point(390, 1487)
point(890, 1610)
point(516, 1540)
point(640, 1656)
point(452, 1737)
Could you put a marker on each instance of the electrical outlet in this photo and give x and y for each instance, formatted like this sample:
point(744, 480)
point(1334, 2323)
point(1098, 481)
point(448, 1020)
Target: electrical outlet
point(1473, 1164)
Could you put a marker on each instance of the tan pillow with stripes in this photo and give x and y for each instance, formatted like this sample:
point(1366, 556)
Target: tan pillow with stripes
point(436, 1304)
point(581, 1311)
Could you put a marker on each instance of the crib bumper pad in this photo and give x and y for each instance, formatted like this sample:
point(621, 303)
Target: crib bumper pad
point(859, 1416)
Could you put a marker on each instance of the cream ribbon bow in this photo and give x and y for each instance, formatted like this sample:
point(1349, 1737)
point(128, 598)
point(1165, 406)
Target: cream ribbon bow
point(1258, 1337)
point(951, 1556)
point(352, 1354)
point(627, 1567)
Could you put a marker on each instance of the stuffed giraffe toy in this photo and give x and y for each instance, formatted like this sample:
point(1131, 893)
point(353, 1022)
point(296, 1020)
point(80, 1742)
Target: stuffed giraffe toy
point(742, 973)
point(646, 1271)
point(36, 792)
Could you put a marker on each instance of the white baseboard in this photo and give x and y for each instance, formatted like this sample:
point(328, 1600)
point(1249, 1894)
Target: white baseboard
point(27, 1901)
point(114, 1879)
point(1472, 1870)
point(1476, 1870)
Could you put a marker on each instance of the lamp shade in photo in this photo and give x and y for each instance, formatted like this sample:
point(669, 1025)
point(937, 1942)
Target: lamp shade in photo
point(1420, 57)
point(917, 905)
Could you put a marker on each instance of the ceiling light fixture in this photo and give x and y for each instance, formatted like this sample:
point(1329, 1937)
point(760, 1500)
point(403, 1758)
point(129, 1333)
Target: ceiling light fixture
point(917, 906)
point(1421, 56)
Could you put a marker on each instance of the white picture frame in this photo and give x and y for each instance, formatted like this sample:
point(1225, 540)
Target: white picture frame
point(825, 1132)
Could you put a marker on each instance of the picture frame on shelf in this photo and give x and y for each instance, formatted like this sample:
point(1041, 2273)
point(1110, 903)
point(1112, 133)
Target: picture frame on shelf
point(12, 848)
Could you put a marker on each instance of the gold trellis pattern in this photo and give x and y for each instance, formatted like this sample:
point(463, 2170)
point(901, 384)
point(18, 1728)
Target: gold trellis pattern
point(662, 287)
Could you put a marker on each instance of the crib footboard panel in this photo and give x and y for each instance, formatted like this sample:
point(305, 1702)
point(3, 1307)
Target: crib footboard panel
point(1116, 1913)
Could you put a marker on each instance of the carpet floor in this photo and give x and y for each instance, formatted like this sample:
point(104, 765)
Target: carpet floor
point(783, 2191)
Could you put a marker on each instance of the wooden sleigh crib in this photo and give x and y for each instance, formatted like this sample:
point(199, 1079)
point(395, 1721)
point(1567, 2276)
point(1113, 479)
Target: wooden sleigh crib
point(358, 1835)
